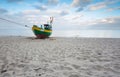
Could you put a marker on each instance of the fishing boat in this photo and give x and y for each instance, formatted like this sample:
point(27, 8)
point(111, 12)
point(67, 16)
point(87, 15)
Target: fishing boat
point(44, 31)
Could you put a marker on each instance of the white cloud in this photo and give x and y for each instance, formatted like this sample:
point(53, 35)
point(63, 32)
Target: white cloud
point(104, 23)
point(41, 7)
point(97, 6)
point(100, 21)
point(76, 3)
point(64, 12)
point(102, 5)
point(2, 11)
point(107, 20)
point(41, 17)
point(53, 2)
point(31, 12)
point(113, 9)
point(80, 4)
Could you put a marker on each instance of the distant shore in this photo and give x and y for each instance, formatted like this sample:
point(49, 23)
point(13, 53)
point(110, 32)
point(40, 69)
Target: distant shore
point(59, 57)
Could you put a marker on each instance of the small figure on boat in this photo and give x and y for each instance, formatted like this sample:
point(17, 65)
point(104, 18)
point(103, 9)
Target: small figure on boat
point(45, 32)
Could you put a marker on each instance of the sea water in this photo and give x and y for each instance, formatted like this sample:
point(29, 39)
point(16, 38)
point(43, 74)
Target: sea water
point(88, 33)
point(67, 33)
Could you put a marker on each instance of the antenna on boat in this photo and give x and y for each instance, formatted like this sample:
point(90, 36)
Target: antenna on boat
point(14, 22)
point(51, 20)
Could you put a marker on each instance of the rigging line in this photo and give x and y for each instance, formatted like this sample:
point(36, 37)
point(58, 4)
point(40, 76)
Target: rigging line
point(14, 22)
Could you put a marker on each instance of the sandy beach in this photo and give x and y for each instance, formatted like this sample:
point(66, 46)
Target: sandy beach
point(59, 57)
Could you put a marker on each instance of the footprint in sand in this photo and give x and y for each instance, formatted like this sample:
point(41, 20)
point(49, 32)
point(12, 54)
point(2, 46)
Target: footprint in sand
point(75, 66)
point(62, 68)
point(74, 75)
point(6, 75)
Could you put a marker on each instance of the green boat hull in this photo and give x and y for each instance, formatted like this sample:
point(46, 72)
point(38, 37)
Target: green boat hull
point(41, 33)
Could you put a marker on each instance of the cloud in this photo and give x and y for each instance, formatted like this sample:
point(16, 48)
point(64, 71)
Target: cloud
point(98, 6)
point(111, 23)
point(41, 7)
point(105, 20)
point(15, 1)
point(102, 5)
point(38, 16)
point(63, 9)
point(80, 4)
point(63, 13)
point(76, 23)
point(41, 17)
point(53, 2)
point(79, 9)
point(100, 21)
point(2, 11)
point(111, 1)
point(112, 9)
point(31, 12)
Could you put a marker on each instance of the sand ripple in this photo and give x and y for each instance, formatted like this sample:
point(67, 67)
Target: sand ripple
point(59, 57)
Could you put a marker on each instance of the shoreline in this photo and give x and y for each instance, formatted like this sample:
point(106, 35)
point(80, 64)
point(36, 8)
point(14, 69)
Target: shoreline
point(63, 37)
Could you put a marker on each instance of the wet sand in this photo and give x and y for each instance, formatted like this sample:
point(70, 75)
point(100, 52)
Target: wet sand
point(59, 57)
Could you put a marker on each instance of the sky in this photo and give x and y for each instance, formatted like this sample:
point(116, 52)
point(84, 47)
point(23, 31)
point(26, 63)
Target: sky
point(69, 15)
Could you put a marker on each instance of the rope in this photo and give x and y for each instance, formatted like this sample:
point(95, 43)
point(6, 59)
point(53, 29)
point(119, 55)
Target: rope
point(14, 22)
